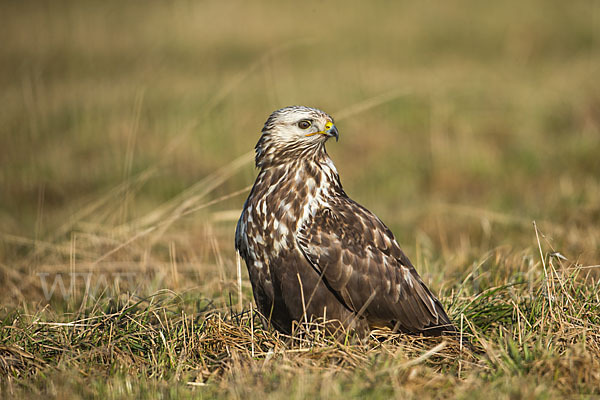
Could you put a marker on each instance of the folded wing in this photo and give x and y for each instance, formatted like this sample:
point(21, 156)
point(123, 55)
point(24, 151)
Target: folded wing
point(360, 260)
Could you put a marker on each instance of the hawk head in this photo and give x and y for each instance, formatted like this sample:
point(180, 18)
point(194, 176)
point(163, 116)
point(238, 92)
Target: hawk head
point(293, 133)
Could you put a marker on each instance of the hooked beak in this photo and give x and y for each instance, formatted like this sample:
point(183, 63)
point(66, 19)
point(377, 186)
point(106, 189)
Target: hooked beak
point(329, 131)
point(332, 131)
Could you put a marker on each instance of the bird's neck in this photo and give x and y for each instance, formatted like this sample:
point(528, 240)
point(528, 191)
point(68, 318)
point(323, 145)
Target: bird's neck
point(272, 153)
point(305, 177)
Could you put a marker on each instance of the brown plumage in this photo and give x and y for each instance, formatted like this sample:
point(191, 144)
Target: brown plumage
point(314, 253)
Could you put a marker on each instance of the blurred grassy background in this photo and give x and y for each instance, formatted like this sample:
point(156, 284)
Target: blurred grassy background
point(490, 117)
point(126, 133)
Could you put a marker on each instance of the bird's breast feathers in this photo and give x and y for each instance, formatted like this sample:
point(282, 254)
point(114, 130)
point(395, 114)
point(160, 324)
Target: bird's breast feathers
point(282, 200)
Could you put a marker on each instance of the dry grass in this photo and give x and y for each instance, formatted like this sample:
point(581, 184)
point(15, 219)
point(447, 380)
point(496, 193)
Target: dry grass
point(551, 342)
point(125, 159)
point(108, 328)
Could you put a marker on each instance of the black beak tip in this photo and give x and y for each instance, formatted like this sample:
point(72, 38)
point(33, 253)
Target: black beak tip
point(334, 132)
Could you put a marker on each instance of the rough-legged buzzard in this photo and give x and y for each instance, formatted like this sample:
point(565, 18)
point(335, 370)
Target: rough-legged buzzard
point(314, 253)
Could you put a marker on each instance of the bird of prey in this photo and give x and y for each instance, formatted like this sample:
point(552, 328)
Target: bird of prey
point(314, 254)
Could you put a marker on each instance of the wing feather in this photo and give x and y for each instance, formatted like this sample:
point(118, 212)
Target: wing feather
point(359, 258)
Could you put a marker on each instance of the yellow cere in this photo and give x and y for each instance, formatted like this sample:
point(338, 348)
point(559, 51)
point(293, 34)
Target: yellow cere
point(328, 126)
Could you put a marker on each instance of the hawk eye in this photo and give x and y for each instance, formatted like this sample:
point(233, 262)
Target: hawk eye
point(304, 124)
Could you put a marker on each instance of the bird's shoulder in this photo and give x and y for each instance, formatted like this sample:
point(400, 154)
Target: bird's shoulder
point(344, 223)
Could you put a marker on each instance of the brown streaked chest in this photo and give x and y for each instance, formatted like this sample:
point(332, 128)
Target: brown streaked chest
point(281, 199)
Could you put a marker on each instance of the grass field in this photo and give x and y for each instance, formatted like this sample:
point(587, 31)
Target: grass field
point(126, 133)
